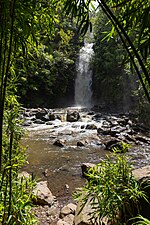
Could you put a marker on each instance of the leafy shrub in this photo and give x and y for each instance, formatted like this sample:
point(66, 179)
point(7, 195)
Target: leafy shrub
point(112, 190)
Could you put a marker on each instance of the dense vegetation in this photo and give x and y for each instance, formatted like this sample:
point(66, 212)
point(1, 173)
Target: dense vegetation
point(48, 72)
point(113, 83)
point(112, 191)
point(38, 51)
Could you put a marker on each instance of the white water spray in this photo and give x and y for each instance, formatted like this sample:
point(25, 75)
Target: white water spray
point(83, 92)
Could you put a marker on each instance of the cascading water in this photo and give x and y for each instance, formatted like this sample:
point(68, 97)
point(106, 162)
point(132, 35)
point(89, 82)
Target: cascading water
point(83, 92)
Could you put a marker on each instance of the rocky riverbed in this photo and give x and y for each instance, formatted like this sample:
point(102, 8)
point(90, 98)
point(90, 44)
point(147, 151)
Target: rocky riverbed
point(61, 140)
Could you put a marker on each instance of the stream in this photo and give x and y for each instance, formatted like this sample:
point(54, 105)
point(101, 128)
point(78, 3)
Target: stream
point(61, 166)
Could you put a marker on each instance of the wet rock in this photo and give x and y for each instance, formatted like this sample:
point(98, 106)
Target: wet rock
point(113, 143)
point(143, 139)
point(90, 113)
point(123, 121)
point(117, 129)
point(40, 114)
point(103, 131)
point(85, 167)
point(49, 123)
point(72, 116)
point(83, 126)
point(91, 127)
point(27, 123)
point(52, 116)
point(80, 144)
point(43, 195)
point(130, 138)
point(27, 113)
point(97, 117)
point(38, 121)
point(59, 143)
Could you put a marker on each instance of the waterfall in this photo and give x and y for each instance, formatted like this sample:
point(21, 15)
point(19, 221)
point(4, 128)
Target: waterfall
point(83, 92)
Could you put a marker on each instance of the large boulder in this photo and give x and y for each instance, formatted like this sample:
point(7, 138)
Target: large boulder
point(72, 116)
point(41, 114)
point(43, 195)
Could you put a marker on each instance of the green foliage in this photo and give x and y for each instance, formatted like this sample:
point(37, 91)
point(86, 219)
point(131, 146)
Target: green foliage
point(110, 80)
point(15, 192)
point(48, 71)
point(141, 221)
point(113, 191)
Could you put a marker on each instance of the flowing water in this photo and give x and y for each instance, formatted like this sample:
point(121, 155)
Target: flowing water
point(63, 165)
point(83, 92)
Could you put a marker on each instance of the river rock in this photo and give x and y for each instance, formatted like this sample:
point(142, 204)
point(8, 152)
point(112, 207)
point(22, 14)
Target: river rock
point(113, 144)
point(38, 121)
point(43, 195)
point(103, 131)
point(72, 116)
point(143, 139)
point(40, 114)
point(80, 144)
point(27, 123)
point(68, 209)
point(85, 167)
point(59, 143)
point(91, 127)
point(62, 222)
point(142, 173)
point(52, 116)
point(97, 117)
point(83, 215)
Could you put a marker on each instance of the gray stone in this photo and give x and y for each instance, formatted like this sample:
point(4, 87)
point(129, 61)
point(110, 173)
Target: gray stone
point(72, 116)
point(83, 215)
point(43, 195)
point(142, 173)
point(69, 219)
point(62, 222)
point(68, 209)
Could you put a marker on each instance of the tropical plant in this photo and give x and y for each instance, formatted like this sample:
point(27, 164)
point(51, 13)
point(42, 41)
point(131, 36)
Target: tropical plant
point(110, 79)
point(20, 22)
point(112, 191)
point(141, 221)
